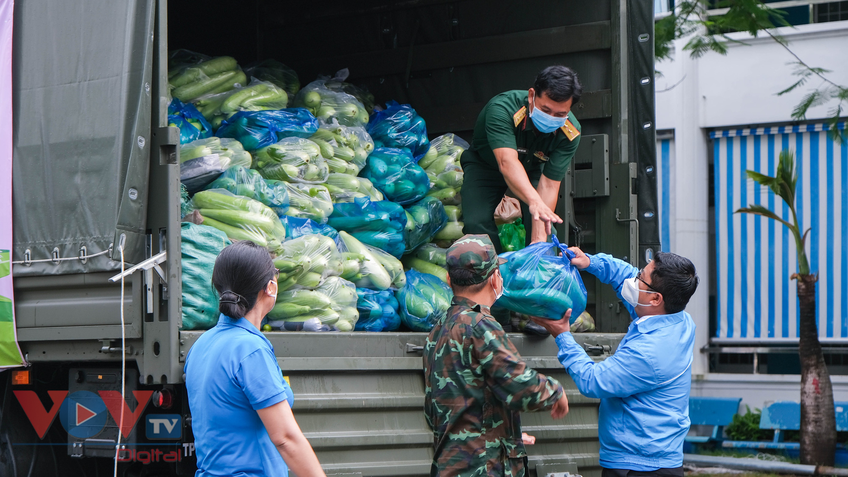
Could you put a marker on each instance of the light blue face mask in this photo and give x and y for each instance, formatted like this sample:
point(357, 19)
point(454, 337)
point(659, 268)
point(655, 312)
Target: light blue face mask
point(545, 122)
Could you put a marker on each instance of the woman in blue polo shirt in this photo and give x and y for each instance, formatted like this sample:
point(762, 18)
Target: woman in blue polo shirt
point(240, 404)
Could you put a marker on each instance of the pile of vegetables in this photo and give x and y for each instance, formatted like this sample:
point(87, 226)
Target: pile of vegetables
point(428, 258)
point(378, 310)
point(345, 148)
point(423, 301)
point(309, 201)
point(377, 270)
point(452, 230)
point(400, 127)
point(442, 166)
point(277, 73)
point(191, 123)
point(346, 188)
point(200, 245)
point(379, 224)
point(424, 219)
point(240, 218)
point(327, 104)
point(396, 174)
point(356, 211)
point(292, 159)
point(298, 227)
point(204, 160)
point(311, 293)
point(197, 75)
point(249, 183)
point(538, 283)
point(441, 163)
point(257, 96)
point(257, 129)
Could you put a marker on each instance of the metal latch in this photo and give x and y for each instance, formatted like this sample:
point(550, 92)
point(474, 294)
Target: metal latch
point(108, 347)
point(596, 350)
point(411, 348)
point(151, 263)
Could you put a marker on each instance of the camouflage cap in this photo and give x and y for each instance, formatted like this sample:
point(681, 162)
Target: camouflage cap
point(476, 254)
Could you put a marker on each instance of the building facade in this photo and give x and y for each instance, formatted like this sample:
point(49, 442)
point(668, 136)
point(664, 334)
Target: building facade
point(718, 116)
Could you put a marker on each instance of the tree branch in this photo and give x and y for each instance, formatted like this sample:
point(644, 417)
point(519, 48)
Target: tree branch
point(800, 61)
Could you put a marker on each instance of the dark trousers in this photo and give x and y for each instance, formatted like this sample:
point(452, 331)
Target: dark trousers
point(676, 472)
point(483, 188)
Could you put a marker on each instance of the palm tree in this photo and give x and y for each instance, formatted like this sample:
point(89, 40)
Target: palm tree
point(818, 423)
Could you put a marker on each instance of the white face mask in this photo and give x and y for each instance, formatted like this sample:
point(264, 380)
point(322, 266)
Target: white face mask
point(498, 294)
point(630, 292)
point(276, 289)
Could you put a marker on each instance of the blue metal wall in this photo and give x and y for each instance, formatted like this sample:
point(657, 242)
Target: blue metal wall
point(665, 155)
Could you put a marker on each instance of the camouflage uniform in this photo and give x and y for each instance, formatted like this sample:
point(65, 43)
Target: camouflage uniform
point(476, 382)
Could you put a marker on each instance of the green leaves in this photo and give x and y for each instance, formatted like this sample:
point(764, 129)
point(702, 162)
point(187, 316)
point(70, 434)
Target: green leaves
point(746, 427)
point(760, 210)
point(783, 185)
point(706, 24)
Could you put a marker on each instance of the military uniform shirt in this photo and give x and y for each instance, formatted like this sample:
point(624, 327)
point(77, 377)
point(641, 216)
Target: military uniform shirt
point(503, 123)
point(475, 386)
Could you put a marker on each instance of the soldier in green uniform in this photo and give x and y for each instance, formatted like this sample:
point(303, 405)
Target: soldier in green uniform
point(523, 141)
point(475, 381)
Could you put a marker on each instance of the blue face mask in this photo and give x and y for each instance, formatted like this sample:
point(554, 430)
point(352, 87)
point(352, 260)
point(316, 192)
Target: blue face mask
point(545, 122)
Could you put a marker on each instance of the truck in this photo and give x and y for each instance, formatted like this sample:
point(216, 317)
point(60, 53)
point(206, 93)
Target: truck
point(96, 194)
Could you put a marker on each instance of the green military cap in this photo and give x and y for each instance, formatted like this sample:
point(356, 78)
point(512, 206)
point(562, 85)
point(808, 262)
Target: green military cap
point(476, 254)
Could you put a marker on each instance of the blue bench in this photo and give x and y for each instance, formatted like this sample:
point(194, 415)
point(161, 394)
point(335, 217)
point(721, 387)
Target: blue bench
point(710, 411)
point(783, 416)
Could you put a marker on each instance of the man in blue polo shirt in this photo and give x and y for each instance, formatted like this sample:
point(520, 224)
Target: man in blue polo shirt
point(644, 387)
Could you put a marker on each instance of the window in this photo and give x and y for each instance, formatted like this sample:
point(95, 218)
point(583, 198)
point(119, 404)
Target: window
point(663, 6)
point(831, 12)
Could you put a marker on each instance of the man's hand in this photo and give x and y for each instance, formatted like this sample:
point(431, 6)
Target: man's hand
point(541, 212)
point(527, 439)
point(560, 409)
point(555, 327)
point(580, 259)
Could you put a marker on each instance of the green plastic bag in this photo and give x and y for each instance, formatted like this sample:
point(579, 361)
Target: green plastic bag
point(513, 237)
point(201, 245)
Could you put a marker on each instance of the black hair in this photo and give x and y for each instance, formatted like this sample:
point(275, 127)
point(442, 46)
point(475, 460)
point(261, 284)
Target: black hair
point(559, 83)
point(675, 278)
point(464, 281)
point(241, 271)
point(465, 277)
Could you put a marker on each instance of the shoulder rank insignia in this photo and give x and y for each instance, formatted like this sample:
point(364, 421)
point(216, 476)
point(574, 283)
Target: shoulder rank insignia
point(541, 155)
point(519, 116)
point(570, 131)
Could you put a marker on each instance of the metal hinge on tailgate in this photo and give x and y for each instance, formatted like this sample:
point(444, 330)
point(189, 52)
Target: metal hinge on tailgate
point(596, 350)
point(167, 140)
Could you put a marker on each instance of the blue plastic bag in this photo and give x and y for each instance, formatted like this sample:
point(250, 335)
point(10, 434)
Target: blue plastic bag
point(379, 224)
point(423, 220)
point(192, 124)
point(539, 283)
point(399, 126)
point(258, 129)
point(200, 247)
point(423, 301)
point(248, 183)
point(378, 310)
point(298, 227)
point(396, 175)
